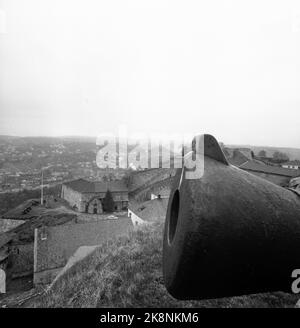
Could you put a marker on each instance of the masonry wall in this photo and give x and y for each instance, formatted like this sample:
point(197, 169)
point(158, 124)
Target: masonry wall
point(80, 200)
point(145, 193)
point(53, 246)
point(90, 198)
point(141, 178)
point(73, 197)
point(21, 260)
point(163, 190)
point(4, 252)
point(87, 197)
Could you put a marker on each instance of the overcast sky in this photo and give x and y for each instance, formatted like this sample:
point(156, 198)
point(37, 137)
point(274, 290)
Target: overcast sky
point(230, 68)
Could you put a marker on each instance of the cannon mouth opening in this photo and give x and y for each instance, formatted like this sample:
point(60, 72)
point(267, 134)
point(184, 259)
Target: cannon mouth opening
point(174, 212)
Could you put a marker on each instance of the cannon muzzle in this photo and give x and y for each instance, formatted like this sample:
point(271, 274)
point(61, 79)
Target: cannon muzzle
point(228, 232)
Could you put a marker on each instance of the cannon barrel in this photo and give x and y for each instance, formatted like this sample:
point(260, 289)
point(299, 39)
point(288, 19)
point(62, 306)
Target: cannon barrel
point(228, 232)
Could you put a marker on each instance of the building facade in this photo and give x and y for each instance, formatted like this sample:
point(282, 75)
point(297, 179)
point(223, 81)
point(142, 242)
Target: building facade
point(87, 197)
point(294, 165)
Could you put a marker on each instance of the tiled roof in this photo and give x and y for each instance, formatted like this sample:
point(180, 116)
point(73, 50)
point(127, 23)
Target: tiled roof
point(85, 186)
point(151, 210)
point(4, 239)
point(276, 170)
point(66, 239)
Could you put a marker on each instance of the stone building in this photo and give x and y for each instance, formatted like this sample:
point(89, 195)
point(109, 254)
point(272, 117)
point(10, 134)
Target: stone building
point(16, 257)
point(87, 197)
point(53, 246)
point(5, 240)
point(295, 165)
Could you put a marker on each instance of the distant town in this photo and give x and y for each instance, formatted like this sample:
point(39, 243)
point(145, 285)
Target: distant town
point(24, 160)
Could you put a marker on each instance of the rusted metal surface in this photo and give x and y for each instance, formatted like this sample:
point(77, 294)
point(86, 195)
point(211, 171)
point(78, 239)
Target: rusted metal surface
point(229, 233)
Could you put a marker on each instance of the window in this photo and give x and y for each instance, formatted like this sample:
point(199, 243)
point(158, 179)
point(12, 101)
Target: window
point(95, 208)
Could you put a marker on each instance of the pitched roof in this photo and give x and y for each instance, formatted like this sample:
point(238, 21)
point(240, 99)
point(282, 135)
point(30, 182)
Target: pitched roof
point(151, 210)
point(8, 224)
point(85, 186)
point(4, 239)
point(276, 170)
point(66, 239)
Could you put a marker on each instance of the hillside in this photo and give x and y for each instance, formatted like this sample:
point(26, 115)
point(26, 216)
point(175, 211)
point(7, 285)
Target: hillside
point(10, 200)
point(127, 272)
point(293, 153)
point(29, 215)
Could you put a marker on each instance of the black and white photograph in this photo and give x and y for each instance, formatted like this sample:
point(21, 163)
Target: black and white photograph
point(149, 157)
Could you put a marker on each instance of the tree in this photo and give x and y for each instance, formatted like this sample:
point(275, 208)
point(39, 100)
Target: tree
point(127, 177)
point(279, 157)
point(262, 153)
point(108, 202)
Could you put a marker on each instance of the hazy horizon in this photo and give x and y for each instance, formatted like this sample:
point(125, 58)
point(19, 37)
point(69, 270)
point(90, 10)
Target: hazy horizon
point(81, 68)
point(95, 137)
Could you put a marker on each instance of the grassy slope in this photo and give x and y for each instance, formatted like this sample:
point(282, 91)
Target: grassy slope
point(127, 273)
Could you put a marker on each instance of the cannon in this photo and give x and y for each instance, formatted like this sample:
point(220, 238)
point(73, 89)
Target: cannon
point(228, 232)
